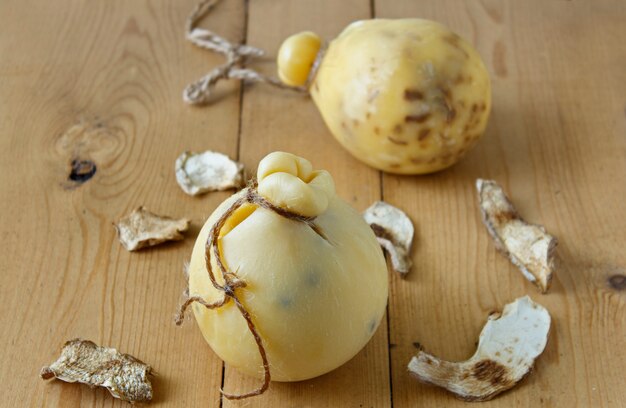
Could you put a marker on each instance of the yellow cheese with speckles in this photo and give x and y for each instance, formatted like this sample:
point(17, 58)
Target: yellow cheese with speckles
point(316, 300)
point(406, 96)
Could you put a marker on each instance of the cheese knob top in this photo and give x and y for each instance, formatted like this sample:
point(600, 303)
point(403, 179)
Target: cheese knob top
point(296, 57)
point(289, 182)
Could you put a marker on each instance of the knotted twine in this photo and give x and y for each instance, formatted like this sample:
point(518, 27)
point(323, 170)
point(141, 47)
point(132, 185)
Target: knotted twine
point(199, 92)
point(232, 281)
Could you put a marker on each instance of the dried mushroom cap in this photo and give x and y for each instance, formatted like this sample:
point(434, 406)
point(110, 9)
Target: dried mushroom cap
point(394, 232)
point(199, 173)
point(508, 346)
point(83, 361)
point(528, 246)
point(142, 228)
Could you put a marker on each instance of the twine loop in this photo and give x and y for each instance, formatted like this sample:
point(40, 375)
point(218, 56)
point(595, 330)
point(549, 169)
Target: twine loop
point(237, 55)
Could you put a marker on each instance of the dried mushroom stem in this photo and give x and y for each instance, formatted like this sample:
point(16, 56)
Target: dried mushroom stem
point(528, 246)
point(508, 346)
point(142, 228)
point(232, 282)
point(198, 173)
point(394, 232)
point(199, 92)
point(83, 361)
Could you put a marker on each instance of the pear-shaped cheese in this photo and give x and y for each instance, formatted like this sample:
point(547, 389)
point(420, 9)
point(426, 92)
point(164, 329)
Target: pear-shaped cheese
point(316, 297)
point(406, 96)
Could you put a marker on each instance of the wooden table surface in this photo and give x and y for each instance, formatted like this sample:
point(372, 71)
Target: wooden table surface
point(102, 81)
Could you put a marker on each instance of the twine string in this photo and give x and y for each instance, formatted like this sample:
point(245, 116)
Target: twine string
point(232, 281)
point(237, 55)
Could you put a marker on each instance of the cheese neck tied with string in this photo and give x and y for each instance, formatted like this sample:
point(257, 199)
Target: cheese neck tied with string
point(199, 92)
point(232, 282)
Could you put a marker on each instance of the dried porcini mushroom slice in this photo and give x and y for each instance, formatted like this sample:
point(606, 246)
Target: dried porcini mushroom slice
point(508, 346)
point(394, 232)
point(528, 246)
point(83, 361)
point(199, 173)
point(142, 228)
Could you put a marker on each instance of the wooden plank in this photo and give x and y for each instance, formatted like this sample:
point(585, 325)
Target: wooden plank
point(277, 120)
point(555, 141)
point(103, 82)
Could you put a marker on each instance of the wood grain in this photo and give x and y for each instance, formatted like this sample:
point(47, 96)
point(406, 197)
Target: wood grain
point(102, 81)
point(548, 143)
